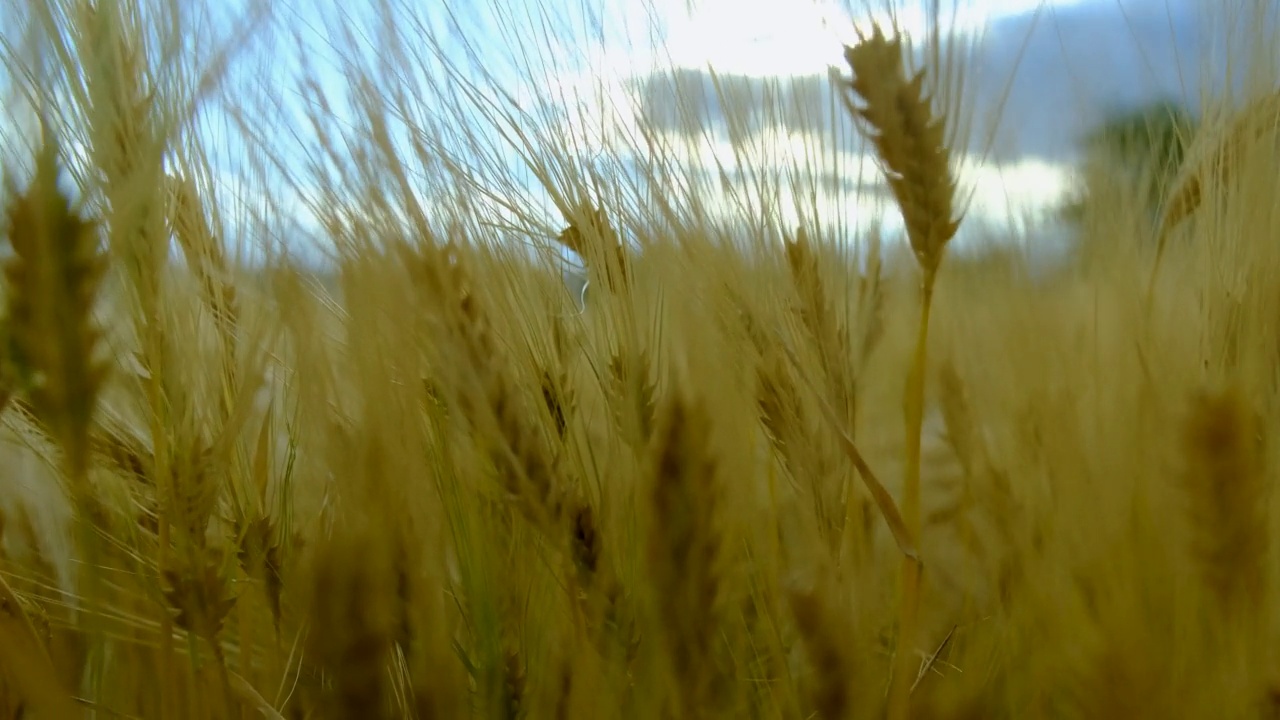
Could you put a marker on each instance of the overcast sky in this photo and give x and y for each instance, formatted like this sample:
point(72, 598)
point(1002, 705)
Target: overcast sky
point(1046, 70)
point(1057, 70)
point(1047, 75)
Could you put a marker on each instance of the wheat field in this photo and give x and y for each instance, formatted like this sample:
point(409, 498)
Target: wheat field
point(749, 474)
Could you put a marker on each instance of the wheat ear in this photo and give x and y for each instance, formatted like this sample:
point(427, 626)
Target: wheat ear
point(685, 550)
point(53, 279)
point(1214, 169)
point(1249, 126)
point(52, 283)
point(1225, 485)
point(597, 243)
point(898, 118)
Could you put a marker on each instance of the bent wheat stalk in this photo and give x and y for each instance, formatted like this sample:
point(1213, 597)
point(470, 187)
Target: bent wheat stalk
point(898, 528)
point(897, 117)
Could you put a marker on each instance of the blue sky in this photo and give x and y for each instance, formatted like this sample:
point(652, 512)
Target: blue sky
point(1065, 64)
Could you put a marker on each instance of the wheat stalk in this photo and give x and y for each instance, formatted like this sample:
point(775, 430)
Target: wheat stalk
point(910, 141)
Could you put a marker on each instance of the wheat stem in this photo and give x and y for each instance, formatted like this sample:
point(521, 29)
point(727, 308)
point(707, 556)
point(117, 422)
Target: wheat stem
point(912, 570)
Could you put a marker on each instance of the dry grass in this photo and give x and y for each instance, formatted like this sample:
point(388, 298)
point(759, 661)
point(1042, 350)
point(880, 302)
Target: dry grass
point(747, 480)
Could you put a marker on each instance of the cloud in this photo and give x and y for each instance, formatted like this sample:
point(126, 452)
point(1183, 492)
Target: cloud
point(1046, 78)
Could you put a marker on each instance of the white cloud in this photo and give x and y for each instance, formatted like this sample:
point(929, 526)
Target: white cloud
point(1013, 189)
point(776, 39)
point(781, 38)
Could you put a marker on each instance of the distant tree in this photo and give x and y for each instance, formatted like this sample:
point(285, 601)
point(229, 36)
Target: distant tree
point(1131, 159)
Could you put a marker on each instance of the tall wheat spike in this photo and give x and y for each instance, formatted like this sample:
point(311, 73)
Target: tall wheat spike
point(52, 283)
point(911, 141)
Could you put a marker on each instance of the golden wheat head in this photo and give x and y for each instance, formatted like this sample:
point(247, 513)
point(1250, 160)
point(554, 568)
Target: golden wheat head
point(52, 281)
point(910, 140)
